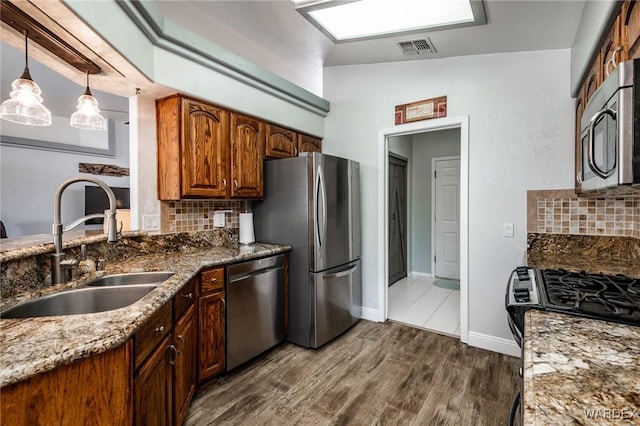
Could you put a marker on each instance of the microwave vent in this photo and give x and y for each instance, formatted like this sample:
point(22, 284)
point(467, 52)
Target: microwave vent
point(417, 47)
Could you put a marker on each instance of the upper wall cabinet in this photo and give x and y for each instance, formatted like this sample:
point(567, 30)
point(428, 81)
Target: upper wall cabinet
point(308, 143)
point(631, 26)
point(193, 149)
point(207, 152)
point(281, 143)
point(613, 49)
point(285, 143)
point(247, 155)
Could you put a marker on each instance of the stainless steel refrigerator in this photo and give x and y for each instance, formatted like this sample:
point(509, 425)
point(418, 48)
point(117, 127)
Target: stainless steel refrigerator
point(312, 203)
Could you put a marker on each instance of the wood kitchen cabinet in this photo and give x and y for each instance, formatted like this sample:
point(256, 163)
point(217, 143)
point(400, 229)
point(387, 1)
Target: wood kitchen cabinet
point(308, 143)
point(212, 335)
point(97, 388)
point(165, 378)
point(152, 389)
point(207, 152)
point(631, 27)
point(247, 155)
point(193, 149)
point(185, 340)
point(612, 51)
point(280, 142)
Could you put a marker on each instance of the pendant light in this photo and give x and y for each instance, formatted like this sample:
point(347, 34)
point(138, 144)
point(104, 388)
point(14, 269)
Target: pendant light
point(25, 105)
point(88, 116)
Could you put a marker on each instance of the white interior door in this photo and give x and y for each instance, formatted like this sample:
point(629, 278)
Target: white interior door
point(446, 206)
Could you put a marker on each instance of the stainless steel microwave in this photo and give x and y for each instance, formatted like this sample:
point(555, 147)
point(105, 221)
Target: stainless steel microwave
point(610, 136)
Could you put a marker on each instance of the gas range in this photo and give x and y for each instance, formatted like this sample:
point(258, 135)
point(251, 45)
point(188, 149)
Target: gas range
point(613, 298)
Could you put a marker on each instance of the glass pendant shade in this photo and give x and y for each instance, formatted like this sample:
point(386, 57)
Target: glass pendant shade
point(25, 103)
point(87, 115)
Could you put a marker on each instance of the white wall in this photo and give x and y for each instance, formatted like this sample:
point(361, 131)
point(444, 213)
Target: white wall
point(520, 138)
point(29, 179)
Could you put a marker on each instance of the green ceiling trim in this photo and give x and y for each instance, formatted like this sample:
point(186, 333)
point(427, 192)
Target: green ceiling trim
point(174, 38)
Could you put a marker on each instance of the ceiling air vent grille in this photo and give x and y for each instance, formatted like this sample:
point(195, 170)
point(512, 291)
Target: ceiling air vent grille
point(417, 47)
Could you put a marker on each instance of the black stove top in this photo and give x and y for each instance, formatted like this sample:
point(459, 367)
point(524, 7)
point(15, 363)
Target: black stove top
point(608, 297)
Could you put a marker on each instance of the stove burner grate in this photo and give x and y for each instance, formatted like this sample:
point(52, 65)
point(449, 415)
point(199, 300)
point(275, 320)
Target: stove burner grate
point(595, 295)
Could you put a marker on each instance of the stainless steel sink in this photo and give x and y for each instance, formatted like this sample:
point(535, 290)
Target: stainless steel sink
point(81, 301)
point(133, 278)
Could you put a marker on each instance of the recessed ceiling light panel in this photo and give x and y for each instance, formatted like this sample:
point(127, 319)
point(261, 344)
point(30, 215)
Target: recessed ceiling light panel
point(351, 20)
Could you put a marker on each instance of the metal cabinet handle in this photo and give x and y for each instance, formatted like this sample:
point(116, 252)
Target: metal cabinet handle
point(188, 296)
point(295, 152)
point(181, 343)
point(612, 60)
point(235, 184)
point(175, 355)
point(214, 280)
point(160, 329)
point(224, 305)
point(224, 183)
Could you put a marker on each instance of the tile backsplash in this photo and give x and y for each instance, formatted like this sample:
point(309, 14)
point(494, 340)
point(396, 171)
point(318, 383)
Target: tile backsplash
point(562, 212)
point(195, 215)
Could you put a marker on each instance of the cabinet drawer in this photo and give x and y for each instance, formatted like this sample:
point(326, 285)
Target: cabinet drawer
point(211, 280)
point(184, 299)
point(150, 334)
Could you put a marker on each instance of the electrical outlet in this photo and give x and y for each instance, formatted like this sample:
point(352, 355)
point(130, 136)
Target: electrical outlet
point(508, 230)
point(151, 222)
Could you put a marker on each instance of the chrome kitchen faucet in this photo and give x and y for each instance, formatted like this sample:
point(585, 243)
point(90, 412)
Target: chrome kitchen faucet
point(59, 266)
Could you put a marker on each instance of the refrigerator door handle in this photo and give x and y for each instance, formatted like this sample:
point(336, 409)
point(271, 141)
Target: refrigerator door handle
point(339, 274)
point(321, 216)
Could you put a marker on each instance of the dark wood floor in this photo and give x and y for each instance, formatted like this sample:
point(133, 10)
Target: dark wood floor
point(375, 374)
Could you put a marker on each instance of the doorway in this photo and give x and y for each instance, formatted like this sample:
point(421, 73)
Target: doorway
point(397, 218)
point(461, 123)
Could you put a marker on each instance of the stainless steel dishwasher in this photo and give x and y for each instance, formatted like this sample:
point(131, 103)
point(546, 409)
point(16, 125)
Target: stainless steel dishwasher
point(255, 308)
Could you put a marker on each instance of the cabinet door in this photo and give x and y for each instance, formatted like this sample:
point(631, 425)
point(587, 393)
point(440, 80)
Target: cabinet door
point(152, 388)
point(247, 155)
point(205, 150)
point(281, 143)
point(593, 80)
point(612, 50)
point(308, 143)
point(185, 339)
point(212, 334)
point(632, 26)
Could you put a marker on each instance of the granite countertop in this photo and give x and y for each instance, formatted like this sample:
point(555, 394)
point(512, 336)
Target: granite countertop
point(14, 248)
point(35, 345)
point(580, 371)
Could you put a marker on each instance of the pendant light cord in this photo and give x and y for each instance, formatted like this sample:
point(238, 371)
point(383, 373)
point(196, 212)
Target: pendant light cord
point(25, 74)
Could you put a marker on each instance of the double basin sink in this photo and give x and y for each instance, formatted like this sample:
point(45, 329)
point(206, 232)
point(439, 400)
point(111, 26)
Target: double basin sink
point(99, 295)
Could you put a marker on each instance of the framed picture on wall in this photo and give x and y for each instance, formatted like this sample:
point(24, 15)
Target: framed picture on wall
point(421, 110)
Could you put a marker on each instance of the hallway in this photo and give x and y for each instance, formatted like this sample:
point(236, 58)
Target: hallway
point(416, 301)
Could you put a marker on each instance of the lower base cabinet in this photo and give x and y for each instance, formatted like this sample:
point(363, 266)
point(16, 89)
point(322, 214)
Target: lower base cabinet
point(94, 390)
point(153, 393)
point(185, 368)
point(212, 335)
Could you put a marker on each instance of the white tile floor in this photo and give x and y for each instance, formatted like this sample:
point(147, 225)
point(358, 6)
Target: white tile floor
point(416, 301)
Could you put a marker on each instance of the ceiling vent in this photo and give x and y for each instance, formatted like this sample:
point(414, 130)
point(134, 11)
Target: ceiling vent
point(417, 47)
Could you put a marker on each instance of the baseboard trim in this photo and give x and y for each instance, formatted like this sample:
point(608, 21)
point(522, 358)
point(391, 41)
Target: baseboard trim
point(370, 314)
point(492, 343)
point(419, 274)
